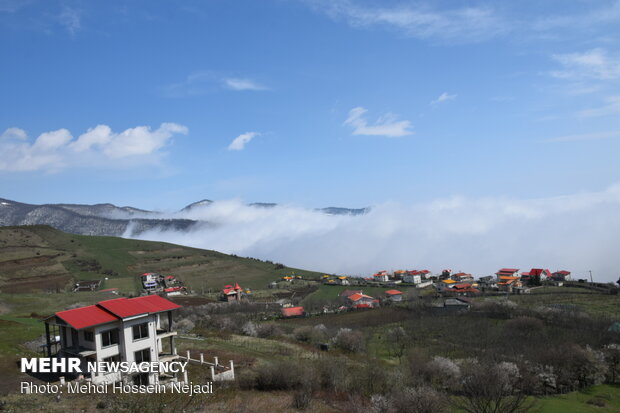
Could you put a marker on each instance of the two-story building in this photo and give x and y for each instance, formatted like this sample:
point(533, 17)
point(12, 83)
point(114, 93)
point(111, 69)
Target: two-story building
point(123, 329)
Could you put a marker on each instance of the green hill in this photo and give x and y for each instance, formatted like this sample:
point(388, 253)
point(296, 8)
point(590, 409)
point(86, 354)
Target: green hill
point(42, 259)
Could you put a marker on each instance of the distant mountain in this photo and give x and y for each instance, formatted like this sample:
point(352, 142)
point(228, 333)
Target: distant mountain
point(344, 211)
point(100, 219)
point(111, 220)
point(328, 210)
point(195, 205)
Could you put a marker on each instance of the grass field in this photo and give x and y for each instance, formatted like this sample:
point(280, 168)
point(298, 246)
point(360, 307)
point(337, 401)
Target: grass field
point(42, 259)
point(601, 398)
point(595, 304)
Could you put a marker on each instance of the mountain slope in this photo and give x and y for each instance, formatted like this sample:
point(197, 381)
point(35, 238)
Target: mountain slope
point(41, 258)
point(110, 220)
point(86, 219)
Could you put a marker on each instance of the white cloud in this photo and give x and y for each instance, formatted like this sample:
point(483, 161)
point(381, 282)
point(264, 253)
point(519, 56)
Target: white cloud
point(54, 150)
point(240, 141)
point(474, 235)
point(611, 108)
point(592, 64)
point(71, 19)
point(141, 140)
point(204, 82)
point(387, 125)
point(14, 133)
point(463, 24)
point(443, 97)
point(242, 84)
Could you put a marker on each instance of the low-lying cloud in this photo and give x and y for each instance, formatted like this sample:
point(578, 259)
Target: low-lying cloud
point(578, 232)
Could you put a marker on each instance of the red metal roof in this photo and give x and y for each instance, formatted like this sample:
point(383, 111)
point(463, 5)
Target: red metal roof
point(155, 303)
point(114, 310)
point(510, 270)
point(359, 296)
point(123, 307)
point(393, 292)
point(293, 312)
point(83, 317)
point(563, 272)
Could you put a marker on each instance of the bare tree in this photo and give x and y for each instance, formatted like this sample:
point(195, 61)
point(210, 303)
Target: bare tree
point(492, 389)
point(398, 341)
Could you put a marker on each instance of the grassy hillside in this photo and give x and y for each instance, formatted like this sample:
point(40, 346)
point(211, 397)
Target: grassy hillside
point(43, 259)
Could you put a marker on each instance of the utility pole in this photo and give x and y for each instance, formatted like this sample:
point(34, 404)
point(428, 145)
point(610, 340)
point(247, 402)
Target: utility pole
point(590, 271)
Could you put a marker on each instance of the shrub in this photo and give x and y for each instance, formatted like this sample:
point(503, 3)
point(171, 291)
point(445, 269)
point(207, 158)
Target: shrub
point(301, 399)
point(280, 375)
point(184, 325)
point(349, 340)
point(419, 400)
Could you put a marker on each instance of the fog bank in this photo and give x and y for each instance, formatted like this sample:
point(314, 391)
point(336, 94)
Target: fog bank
point(577, 232)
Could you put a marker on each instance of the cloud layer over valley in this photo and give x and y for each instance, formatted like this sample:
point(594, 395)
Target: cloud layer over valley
point(577, 232)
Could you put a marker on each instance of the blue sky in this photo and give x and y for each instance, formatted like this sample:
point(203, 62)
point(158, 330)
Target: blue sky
point(312, 103)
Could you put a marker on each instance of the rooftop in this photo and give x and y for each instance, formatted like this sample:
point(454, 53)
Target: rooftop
point(113, 310)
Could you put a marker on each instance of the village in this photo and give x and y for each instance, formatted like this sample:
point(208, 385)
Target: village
point(387, 317)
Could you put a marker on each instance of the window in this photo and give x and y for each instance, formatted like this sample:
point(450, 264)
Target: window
point(142, 355)
point(89, 336)
point(113, 359)
point(141, 379)
point(140, 331)
point(109, 337)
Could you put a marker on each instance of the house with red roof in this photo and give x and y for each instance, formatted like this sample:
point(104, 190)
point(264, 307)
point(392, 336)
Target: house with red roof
point(414, 277)
point(561, 275)
point(541, 274)
point(381, 276)
point(123, 329)
point(507, 272)
point(462, 277)
point(361, 300)
point(232, 293)
point(394, 295)
point(507, 282)
point(291, 312)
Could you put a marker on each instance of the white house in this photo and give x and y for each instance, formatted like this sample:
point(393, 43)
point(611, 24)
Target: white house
point(381, 276)
point(412, 277)
point(150, 280)
point(123, 329)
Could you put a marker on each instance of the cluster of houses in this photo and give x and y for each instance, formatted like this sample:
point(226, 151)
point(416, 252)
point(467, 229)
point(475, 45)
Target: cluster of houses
point(336, 280)
point(419, 278)
point(447, 282)
point(154, 283)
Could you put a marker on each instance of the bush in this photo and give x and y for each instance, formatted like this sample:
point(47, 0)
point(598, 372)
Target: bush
point(305, 334)
point(249, 329)
point(184, 325)
point(349, 340)
point(301, 399)
point(268, 330)
point(280, 375)
point(419, 400)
